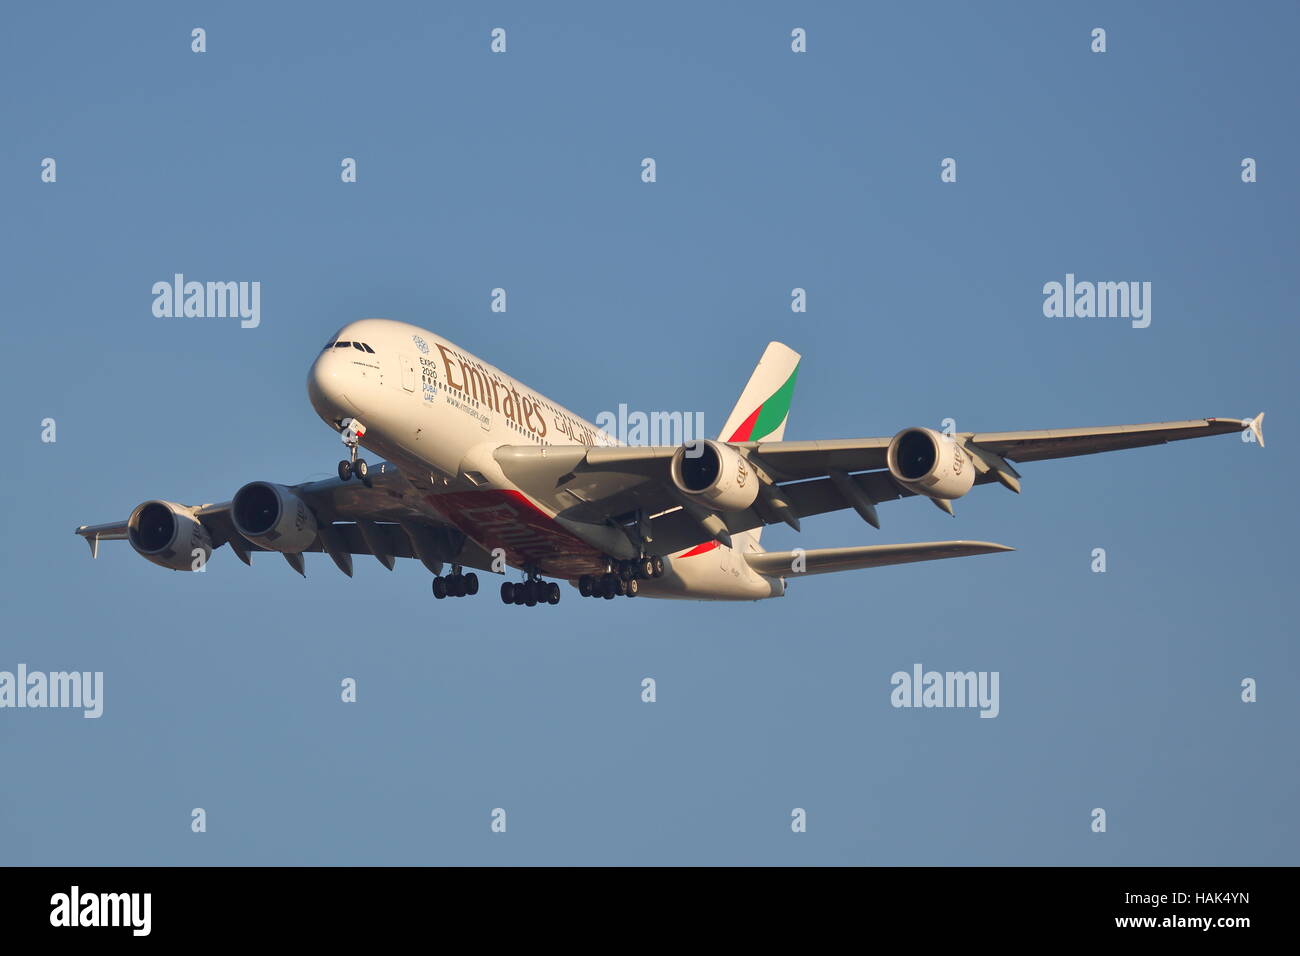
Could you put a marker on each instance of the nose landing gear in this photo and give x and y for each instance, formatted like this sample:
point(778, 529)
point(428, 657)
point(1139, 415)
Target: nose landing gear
point(353, 432)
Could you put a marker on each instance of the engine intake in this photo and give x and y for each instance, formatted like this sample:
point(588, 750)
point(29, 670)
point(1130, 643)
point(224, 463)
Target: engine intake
point(929, 463)
point(273, 517)
point(168, 535)
point(716, 475)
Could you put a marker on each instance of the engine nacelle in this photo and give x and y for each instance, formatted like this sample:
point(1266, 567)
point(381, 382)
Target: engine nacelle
point(273, 517)
point(718, 476)
point(168, 535)
point(929, 463)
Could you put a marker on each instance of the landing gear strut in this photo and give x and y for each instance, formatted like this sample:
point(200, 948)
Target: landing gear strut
point(531, 592)
point(455, 584)
point(353, 432)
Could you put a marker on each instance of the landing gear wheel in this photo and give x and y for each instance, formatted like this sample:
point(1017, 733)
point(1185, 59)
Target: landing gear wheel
point(362, 471)
point(632, 587)
point(530, 594)
point(521, 594)
point(647, 568)
point(608, 587)
point(440, 587)
point(507, 592)
point(345, 470)
point(620, 586)
point(456, 586)
point(471, 583)
point(659, 566)
point(553, 593)
point(584, 585)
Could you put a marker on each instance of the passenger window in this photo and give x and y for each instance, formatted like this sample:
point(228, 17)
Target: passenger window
point(341, 345)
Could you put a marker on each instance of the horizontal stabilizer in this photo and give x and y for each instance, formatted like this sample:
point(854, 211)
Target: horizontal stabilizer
point(1256, 426)
point(824, 560)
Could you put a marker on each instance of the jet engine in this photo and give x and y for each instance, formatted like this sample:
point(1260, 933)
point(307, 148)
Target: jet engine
point(929, 463)
point(273, 517)
point(714, 474)
point(168, 534)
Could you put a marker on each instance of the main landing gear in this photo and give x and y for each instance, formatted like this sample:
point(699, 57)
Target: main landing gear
point(531, 592)
point(353, 432)
point(623, 580)
point(455, 584)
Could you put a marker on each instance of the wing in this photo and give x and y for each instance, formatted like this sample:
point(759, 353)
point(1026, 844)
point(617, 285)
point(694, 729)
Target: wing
point(382, 520)
point(796, 460)
point(826, 560)
point(1069, 442)
point(611, 496)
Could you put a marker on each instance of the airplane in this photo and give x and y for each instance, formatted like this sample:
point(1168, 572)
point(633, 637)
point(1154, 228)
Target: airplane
point(481, 472)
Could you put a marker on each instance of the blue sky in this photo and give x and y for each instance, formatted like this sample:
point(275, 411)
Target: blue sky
point(775, 170)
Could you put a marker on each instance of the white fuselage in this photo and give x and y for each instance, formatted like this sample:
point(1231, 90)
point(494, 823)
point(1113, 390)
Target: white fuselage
point(439, 413)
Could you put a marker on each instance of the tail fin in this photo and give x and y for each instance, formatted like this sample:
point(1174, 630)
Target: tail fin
point(761, 413)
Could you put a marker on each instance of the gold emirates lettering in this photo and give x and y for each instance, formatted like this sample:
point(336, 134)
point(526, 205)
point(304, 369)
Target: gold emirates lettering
point(485, 387)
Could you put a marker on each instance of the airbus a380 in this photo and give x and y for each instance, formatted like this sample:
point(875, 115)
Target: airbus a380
point(481, 472)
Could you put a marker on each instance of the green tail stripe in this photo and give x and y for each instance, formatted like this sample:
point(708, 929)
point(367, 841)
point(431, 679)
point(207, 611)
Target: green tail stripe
point(775, 409)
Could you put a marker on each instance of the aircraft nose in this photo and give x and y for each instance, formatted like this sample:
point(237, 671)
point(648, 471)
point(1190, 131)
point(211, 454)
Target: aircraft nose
point(325, 387)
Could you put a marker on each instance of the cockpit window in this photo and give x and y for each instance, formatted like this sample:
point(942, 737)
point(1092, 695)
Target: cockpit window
point(357, 346)
point(367, 348)
point(341, 345)
point(328, 345)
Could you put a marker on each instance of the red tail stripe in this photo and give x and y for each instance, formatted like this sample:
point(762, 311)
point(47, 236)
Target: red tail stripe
point(746, 427)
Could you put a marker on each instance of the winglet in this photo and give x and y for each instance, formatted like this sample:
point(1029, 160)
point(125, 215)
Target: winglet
point(1256, 426)
point(92, 539)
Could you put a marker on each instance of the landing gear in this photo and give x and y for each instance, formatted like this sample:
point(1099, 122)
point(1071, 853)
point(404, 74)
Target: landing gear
point(455, 584)
point(531, 592)
point(622, 579)
point(644, 568)
point(353, 432)
point(356, 467)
